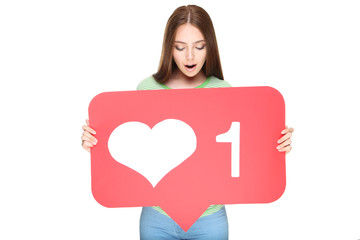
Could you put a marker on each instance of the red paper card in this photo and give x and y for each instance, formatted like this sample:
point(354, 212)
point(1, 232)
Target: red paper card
point(185, 149)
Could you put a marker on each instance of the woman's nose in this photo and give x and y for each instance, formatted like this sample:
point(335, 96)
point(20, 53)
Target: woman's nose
point(189, 54)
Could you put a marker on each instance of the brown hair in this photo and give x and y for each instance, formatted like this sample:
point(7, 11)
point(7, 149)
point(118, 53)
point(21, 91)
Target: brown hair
point(198, 17)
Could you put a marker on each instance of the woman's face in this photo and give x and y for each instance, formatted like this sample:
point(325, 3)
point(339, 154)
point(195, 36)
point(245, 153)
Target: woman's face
point(189, 50)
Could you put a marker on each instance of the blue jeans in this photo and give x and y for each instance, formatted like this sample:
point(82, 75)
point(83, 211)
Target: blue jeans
point(156, 226)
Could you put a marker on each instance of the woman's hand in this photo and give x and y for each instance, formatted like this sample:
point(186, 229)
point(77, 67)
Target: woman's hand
point(285, 141)
point(88, 140)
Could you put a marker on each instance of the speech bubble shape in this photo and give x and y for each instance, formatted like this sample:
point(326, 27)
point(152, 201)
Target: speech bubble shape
point(206, 177)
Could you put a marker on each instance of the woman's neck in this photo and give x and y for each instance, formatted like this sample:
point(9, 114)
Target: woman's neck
point(180, 80)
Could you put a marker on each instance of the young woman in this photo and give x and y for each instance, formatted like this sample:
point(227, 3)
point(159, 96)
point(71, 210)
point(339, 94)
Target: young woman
point(189, 59)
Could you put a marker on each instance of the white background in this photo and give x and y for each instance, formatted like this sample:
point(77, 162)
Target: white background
point(55, 56)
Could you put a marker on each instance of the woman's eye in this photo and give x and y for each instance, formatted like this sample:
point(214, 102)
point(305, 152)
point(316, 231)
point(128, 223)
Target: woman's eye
point(200, 48)
point(179, 48)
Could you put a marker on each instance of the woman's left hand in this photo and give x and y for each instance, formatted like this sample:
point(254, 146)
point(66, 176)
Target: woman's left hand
point(285, 141)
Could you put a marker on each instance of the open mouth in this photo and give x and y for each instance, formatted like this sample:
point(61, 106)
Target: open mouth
point(190, 67)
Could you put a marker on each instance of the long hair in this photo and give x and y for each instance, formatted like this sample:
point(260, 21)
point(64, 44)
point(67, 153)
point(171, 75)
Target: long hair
point(199, 18)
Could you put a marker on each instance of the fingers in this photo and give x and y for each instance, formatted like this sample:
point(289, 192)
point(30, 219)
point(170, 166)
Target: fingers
point(285, 137)
point(284, 144)
point(87, 145)
point(88, 137)
point(89, 129)
point(285, 141)
point(286, 130)
point(88, 140)
point(286, 149)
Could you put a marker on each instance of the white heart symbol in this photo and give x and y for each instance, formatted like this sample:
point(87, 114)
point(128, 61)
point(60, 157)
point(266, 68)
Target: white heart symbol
point(152, 152)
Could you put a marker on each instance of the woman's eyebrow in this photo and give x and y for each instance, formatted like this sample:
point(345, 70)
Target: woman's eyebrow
point(193, 42)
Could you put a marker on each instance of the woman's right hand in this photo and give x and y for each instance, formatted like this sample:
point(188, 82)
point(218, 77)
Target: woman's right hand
point(88, 140)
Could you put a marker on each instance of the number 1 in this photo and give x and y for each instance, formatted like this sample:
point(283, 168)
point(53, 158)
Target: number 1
point(233, 136)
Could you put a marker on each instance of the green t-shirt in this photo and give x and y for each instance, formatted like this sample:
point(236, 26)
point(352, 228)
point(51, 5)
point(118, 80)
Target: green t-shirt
point(211, 82)
point(151, 84)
